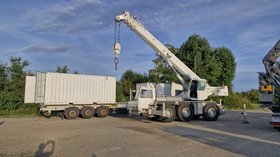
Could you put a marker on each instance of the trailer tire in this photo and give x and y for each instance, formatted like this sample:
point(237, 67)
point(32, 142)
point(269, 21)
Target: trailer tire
point(71, 113)
point(211, 112)
point(171, 113)
point(185, 112)
point(102, 111)
point(87, 112)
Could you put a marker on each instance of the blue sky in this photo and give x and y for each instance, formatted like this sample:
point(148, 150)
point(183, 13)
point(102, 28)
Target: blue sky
point(80, 33)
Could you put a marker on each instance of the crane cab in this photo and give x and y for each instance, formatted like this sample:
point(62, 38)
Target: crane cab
point(197, 90)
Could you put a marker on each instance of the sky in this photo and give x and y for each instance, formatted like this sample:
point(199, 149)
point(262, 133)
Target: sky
point(80, 33)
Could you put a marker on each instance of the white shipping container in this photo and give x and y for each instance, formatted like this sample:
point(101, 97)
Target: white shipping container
point(60, 89)
point(30, 84)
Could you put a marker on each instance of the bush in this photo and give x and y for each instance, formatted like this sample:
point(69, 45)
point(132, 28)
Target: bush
point(23, 110)
point(236, 101)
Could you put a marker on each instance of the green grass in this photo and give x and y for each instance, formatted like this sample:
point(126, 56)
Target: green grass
point(249, 106)
point(26, 110)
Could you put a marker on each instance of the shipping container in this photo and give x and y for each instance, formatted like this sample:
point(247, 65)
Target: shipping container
point(59, 91)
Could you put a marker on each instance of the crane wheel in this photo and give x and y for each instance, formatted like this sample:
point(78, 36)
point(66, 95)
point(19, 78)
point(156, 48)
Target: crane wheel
point(170, 113)
point(185, 112)
point(211, 112)
point(102, 111)
point(87, 112)
point(71, 113)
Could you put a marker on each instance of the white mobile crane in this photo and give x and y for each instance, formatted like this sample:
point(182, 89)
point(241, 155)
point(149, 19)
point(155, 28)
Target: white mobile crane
point(190, 104)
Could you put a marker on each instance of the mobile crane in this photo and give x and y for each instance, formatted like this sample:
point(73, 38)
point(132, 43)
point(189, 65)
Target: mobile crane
point(191, 102)
point(269, 84)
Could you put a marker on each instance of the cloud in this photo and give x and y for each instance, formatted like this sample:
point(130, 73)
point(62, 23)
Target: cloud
point(248, 28)
point(76, 17)
point(45, 49)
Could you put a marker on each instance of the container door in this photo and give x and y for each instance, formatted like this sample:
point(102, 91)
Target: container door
point(40, 88)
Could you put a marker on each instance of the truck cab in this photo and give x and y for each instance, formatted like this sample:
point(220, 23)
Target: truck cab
point(147, 95)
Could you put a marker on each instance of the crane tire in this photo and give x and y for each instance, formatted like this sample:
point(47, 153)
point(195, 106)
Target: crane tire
point(185, 112)
point(170, 111)
point(211, 112)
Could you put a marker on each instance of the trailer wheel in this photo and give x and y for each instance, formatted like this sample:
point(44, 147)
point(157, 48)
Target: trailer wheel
point(170, 113)
point(185, 112)
point(87, 112)
point(71, 112)
point(211, 112)
point(102, 111)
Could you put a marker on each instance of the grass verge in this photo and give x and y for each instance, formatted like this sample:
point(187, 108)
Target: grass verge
point(26, 110)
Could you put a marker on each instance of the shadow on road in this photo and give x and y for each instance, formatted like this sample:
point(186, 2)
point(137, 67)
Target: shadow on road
point(132, 117)
point(93, 155)
point(228, 133)
point(1, 123)
point(45, 149)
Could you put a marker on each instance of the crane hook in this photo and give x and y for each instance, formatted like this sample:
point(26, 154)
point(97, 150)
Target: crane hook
point(116, 61)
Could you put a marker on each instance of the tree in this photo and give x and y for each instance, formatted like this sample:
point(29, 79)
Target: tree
point(63, 69)
point(119, 92)
point(3, 76)
point(252, 95)
point(129, 80)
point(3, 85)
point(162, 71)
point(217, 66)
point(14, 88)
point(197, 54)
point(227, 60)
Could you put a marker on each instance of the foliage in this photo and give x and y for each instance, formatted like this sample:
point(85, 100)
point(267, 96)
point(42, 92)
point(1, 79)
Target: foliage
point(252, 95)
point(162, 71)
point(63, 69)
point(24, 110)
point(12, 83)
point(129, 80)
point(217, 66)
point(119, 92)
point(225, 57)
point(236, 101)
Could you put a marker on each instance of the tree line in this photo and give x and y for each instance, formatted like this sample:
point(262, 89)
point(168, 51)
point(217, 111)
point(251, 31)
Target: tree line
point(12, 83)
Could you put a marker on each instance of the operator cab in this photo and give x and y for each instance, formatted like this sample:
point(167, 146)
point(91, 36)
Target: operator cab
point(197, 89)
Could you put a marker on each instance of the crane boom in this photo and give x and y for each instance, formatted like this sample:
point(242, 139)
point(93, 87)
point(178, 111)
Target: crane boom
point(186, 76)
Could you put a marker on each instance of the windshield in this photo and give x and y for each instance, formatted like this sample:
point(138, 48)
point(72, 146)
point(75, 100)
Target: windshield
point(145, 93)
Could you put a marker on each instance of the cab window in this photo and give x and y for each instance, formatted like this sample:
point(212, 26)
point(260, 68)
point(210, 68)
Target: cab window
point(201, 85)
point(146, 93)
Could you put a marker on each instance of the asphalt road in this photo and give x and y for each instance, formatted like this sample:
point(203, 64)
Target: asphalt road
point(120, 135)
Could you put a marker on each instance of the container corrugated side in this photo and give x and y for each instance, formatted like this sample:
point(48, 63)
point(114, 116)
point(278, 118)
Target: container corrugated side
point(79, 89)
